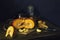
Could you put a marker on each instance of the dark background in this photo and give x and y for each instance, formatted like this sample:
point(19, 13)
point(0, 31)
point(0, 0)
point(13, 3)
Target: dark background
point(49, 9)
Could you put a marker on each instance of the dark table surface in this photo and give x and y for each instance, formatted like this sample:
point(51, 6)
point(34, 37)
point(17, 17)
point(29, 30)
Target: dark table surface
point(53, 32)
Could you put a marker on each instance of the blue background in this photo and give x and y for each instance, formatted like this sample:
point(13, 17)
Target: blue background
point(49, 9)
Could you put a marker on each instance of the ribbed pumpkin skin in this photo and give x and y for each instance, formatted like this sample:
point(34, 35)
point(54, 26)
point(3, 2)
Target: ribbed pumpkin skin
point(29, 23)
point(17, 23)
point(23, 23)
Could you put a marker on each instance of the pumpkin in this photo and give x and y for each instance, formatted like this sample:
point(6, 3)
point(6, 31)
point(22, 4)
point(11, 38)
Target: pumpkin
point(23, 23)
point(18, 23)
point(29, 23)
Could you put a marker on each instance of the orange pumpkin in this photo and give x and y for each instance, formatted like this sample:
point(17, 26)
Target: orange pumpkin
point(18, 23)
point(23, 23)
point(29, 23)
